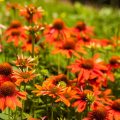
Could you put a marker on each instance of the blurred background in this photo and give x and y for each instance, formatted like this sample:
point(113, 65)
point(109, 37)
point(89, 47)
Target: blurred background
point(103, 15)
point(113, 3)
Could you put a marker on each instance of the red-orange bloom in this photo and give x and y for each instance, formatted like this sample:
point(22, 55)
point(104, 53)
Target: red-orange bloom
point(16, 33)
point(83, 28)
point(68, 47)
point(25, 62)
point(114, 109)
point(87, 68)
point(22, 76)
point(86, 97)
point(58, 80)
point(100, 113)
point(57, 32)
point(47, 89)
point(114, 62)
point(5, 69)
point(66, 95)
point(4, 78)
point(32, 13)
point(9, 96)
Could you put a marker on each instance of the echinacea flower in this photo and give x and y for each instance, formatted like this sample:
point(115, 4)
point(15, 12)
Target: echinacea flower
point(114, 62)
point(100, 113)
point(68, 47)
point(9, 96)
point(57, 32)
point(58, 80)
point(66, 95)
point(82, 27)
point(50, 90)
point(86, 68)
point(13, 6)
point(85, 98)
point(5, 69)
point(25, 62)
point(32, 13)
point(16, 33)
point(114, 109)
point(4, 78)
point(23, 76)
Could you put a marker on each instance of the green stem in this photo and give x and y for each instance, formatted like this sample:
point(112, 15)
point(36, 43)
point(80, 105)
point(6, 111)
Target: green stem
point(33, 44)
point(52, 114)
point(68, 73)
point(58, 64)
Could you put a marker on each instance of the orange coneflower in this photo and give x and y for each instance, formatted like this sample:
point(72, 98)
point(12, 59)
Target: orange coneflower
point(47, 89)
point(81, 27)
point(25, 62)
point(87, 68)
point(114, 109)
point(32, 13)
point(66, 95)
point(4, 78)
point(114, 62)
point(105, 96)
point(13, 6)
point(9, 96)
point(68, 47)
point(16, 33)
point(81, 103)
point(100, 113)
point(57, 32)
point(5, 69)
point(58, 80)
point(23, 76)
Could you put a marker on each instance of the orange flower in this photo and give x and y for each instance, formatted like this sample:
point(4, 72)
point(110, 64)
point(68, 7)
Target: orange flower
point(114, 62)
point(9, 96)
point(87, 68)
point(57, 32)
point(25, 62)
point(114, 109)
point(32, 13)
point(4, 78)
point(5, 69)
point(86, 99)
point(68, 47)
point(16, 33)
point(23, 76)
point(58, 80)
point(81, 102)
point(83, 28)
point(66, 95)
point(100, 113)
point(13, 6)
point(50, 90)
point(105, 96)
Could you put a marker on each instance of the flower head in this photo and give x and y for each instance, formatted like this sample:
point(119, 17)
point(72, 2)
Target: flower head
point(22, 76)
point(114, 109)
point(9, 96)
point(32, 13)
point(98, 114)
point(25, 62)
point(16, 33)
point(5, 69)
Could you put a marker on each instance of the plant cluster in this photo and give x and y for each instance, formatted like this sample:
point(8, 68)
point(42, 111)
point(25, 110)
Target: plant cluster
point(59, 72)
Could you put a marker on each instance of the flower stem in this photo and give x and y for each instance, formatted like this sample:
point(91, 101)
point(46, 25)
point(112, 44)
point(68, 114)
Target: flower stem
point(33, 45)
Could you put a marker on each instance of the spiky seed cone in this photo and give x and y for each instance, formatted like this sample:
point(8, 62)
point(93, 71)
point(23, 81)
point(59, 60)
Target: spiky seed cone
point(5, 69)
point(7, 89)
